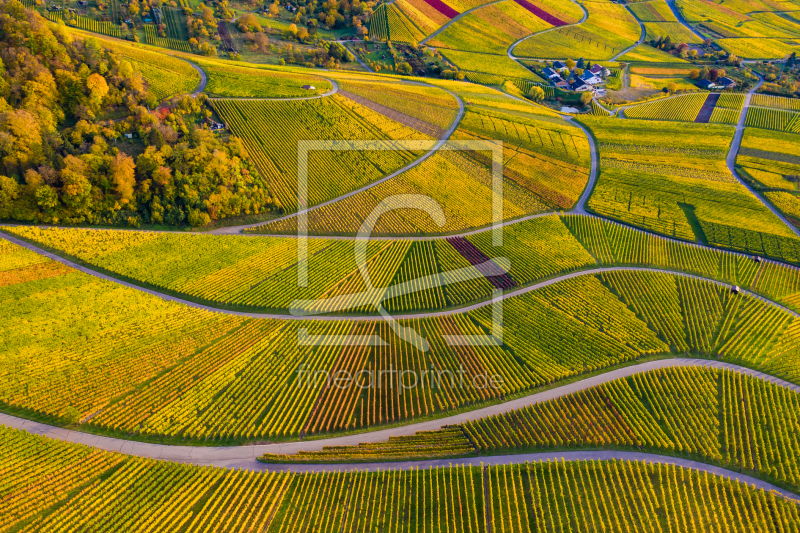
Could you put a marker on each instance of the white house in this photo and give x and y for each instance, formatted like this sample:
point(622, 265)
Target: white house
point(589, 78)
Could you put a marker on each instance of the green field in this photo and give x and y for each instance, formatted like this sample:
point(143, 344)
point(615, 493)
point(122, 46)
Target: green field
point(72, 482)
point(651, 179)
point(609, 29)
point(242, 374)
point(230, 80)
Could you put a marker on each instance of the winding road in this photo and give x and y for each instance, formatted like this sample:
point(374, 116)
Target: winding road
point(238, 229)
point(455, 19)
point(203, 78)
point(734, 150)
point(244, 457)
point(679, 16)
point(641, 37)
point(510, 50)
point(431, 314)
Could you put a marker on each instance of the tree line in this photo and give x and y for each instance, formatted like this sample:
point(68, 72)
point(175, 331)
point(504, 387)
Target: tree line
point(79, 143)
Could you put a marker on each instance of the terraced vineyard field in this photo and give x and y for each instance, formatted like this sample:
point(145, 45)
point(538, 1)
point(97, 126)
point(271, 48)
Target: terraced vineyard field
point(428, 105)
point(717, 416)
point(773, 119)
point(728, 109)
point(491, 29)
point(609, 29)
point(768, 158)
point(682, 108)
point(686, 199)
point(88, 24)
point(548, 171)
point(478, 62)
point(262, 125)
point(151, 36)
point(424, 15)
point(390, 23)
point(659, 21)
point(758, 48)
point(739, 24)
point(461, 498)
point(206, 377)
point(778, 102)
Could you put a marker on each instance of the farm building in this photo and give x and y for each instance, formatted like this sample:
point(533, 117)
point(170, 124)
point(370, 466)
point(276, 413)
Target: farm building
point(550, 73)
point(726, 82)
point(589, 78)
point(709, 85)
point(579, 85)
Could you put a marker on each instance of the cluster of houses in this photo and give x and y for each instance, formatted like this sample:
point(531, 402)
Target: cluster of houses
point(562, 77)
point(720, 83)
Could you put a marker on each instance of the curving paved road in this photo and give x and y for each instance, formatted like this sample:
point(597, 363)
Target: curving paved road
point(432, 314)
point(420, 160)
point(679, 16)
point(456, 18)
point(734, 150)
point(245, 456)
point(203, 79)
point(510, 51)
point(637, 43)
point(580, 207)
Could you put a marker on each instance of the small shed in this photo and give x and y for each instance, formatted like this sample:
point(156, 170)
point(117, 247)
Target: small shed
point(309, 87)
point(735, 289)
